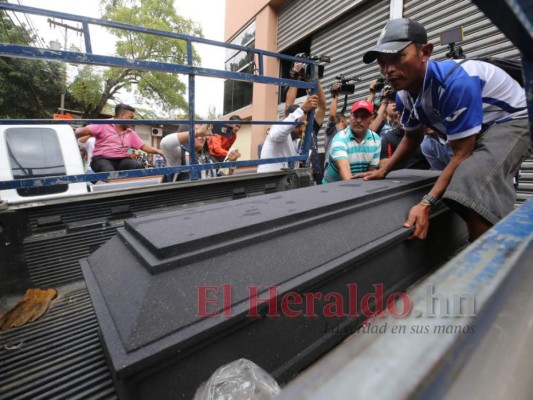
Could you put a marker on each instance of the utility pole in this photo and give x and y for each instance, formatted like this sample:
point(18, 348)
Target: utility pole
point(64, 78)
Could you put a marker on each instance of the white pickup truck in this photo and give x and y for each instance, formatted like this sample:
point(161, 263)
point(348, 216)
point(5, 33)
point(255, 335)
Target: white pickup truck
point(37, 151)
point(33, 151)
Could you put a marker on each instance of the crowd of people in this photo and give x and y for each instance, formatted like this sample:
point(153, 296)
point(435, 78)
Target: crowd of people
point(117, 147)
point(467, 119)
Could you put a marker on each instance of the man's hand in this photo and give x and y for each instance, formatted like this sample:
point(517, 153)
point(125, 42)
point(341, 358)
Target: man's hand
point(335, 89)
point(371, 175)
point(82, 131)
point(234, 155)
point(419, 218)
point(310, 103)
point(296, 70)
point(386, 91)
point(203, 130)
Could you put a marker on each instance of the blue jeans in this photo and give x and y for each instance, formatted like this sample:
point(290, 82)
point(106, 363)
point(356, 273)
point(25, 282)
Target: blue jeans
point(438, 154)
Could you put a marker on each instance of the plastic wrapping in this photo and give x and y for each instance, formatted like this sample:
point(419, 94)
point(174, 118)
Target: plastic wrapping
point(239, 380)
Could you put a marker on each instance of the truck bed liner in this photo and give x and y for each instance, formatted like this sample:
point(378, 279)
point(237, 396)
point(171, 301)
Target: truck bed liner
point(59, 356)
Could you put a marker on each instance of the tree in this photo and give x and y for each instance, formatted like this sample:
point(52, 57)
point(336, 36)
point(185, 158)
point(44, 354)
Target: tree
point(28, 88)
point(160, 90)
point(87, 89)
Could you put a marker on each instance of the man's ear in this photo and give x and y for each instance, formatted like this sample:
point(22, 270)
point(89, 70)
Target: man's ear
point(426, 50)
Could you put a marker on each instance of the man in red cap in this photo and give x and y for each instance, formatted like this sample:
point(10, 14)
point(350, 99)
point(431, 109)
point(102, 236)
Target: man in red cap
point(356, 148)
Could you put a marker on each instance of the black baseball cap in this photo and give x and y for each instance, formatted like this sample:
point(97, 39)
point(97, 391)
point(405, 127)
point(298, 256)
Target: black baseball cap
point(396, 36)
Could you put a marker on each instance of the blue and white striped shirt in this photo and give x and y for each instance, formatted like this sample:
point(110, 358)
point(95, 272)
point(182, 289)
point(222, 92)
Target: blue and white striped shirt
point(361, 155)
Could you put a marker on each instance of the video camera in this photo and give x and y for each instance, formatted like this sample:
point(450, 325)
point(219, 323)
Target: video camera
point(305, 72)
point(450, 37)
point(383, 85)
point(391, 94)
point(380, 84)
point(346, 87)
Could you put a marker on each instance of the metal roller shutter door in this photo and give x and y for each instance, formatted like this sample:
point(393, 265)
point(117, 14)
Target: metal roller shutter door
point(481, 37)
point(300, 18)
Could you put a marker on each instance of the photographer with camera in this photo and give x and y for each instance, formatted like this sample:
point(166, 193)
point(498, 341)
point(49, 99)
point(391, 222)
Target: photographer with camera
point(385, 118)
point(175, 150)
point(219, 145)
point(284, 140)
point(375, 88)
point(302, 73)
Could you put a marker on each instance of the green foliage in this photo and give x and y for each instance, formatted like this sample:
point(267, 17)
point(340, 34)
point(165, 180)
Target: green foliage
point(87, 88)
point(163, 91)
point(28, 89)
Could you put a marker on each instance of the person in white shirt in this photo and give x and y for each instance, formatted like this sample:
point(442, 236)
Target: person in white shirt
point(282, 140)
point(176, 155)
point(87, 143)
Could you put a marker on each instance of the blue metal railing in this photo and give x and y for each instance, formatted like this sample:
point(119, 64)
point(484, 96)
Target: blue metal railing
point(191, 70)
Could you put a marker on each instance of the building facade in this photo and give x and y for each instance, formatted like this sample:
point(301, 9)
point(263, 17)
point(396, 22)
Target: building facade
point(342, 30)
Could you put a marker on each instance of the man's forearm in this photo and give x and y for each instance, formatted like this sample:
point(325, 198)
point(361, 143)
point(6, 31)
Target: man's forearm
point(320, 111)
point(149, 149)
point(333, 109)
point(81, 132)
point(444, 179)
point(376, 123)
point(290, 98)
point(280, 132)
point(383, 162)
point(462, 149)
point(343, 165)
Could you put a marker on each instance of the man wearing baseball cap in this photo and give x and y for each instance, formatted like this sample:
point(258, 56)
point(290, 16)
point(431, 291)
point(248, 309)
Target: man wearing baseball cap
point(356, 148)
point(476, 106)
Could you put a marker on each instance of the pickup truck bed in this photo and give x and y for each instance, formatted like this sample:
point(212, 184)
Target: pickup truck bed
point(60, 355)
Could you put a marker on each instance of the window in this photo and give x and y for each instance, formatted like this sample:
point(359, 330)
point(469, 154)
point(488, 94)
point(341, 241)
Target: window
point(35, 153)
point(238, 94)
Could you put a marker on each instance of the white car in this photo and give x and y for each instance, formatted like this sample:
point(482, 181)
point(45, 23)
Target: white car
point(36, 151)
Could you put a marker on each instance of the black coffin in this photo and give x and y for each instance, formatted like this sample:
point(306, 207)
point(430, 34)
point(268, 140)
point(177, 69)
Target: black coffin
point(316, 252)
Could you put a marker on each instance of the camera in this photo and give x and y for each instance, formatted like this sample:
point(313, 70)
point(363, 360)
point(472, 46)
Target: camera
point(305, 72)
point(346, 87)
point(450, 37)
point(380, 84)
point(391, 94)
point(222, 128)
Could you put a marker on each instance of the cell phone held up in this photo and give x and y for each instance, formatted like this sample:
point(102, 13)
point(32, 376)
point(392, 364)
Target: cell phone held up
point(222, 128)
